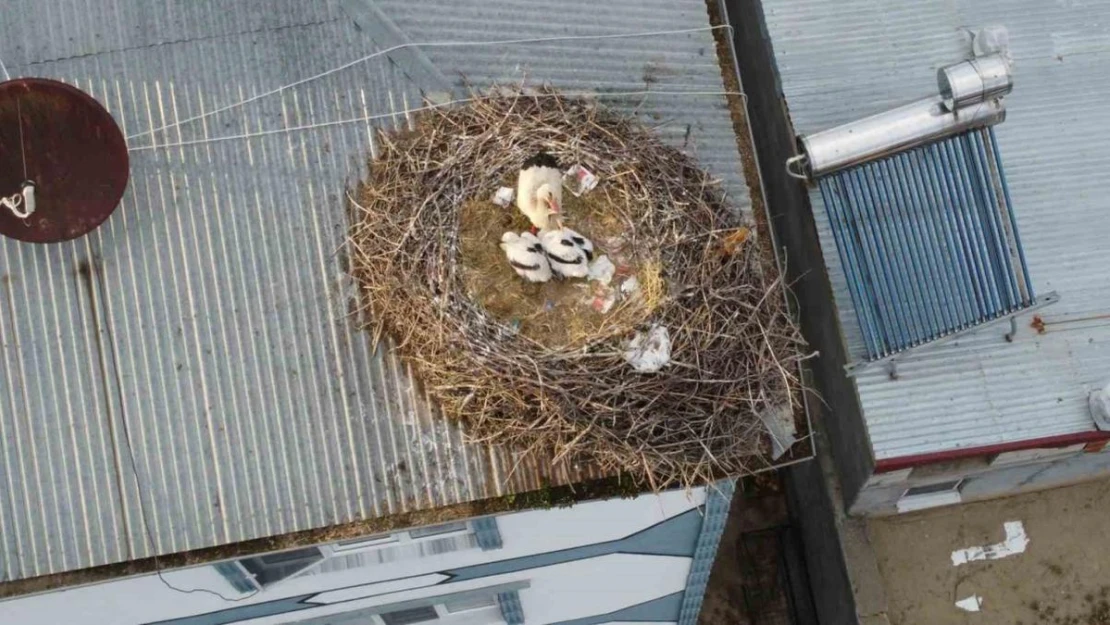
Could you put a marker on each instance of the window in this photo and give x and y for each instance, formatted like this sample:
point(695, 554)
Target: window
point(496, 605)
point(932, 488)
point(239, 579)
point(365, 541)
point(436, 530)
point(410, 615)
point(930, 496)
point(466, 604)
point(274, 567)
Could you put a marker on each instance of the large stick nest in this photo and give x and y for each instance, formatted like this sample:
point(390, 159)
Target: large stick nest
point(734, 345)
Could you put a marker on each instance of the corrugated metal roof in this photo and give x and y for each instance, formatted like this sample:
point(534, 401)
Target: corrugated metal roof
point(840, 61)
point(214, 318)
point(675, 62)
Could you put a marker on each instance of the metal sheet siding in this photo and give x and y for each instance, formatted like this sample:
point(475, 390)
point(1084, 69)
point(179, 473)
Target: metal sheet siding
point(842, 61)
point(668, 62)
point(210, 313)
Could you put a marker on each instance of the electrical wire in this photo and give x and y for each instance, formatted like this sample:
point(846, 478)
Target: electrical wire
point(407, 111)
point(150, 535)
point(143, 517)
point(428, 44)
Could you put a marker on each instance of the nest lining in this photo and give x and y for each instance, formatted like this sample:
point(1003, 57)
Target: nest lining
point(735, 346)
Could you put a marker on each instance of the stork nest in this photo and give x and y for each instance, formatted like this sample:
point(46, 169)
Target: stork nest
point(735, 347)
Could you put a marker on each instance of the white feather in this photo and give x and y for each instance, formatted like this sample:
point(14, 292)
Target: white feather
point(584, 244)
point(568, 260)
point(527, 186)
point(525, 254)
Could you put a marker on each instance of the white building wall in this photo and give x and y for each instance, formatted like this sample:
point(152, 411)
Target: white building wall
point(1047, 468)
point(549, 594)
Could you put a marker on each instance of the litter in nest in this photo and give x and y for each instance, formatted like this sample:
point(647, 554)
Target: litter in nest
point(602, 270)
point(649, 351)
point(526, 365)
point(579, 180)
point(504, 197)
point(552, 313)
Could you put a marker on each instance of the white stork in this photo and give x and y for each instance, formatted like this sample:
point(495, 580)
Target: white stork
point(581, 242)
point(539, 191)
point(568, 259)
point(525, 254)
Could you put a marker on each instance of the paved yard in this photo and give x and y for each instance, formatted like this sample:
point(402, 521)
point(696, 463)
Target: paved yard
point(1062, 577)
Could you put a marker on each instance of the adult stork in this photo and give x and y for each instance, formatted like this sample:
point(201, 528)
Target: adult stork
point(539, 191)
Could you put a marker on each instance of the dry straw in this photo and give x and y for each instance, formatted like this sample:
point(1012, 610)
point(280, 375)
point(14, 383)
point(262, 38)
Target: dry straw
point(735, 347)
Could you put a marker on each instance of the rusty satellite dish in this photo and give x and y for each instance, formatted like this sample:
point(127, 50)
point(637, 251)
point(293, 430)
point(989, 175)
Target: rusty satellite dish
point(63, 160)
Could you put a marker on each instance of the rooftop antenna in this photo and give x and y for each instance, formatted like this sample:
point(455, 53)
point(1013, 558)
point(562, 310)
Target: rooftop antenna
point(63, 161)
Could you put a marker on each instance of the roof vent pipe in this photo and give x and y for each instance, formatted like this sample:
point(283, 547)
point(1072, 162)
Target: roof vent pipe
point(970, 97)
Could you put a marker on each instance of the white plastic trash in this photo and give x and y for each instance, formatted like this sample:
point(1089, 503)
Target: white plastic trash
point(579, 180)
point(602, 269)
point(992, 40)
point(630, 287)
point(503, 197)
point(603, 302)
point(1099, 402)
point(974, 603)
point(651, 351)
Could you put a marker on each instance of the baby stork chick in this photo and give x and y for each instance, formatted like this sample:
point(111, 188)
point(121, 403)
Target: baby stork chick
point(539, 191)
point(584, 244)
point(569, 259)
point(525, 254)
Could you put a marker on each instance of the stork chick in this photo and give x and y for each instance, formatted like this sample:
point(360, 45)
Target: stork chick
point(581, 242)
point(568, 259)
point(539, 191)
point(525, 254)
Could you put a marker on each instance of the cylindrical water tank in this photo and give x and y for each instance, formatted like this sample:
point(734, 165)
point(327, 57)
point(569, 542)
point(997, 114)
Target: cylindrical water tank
point(893, 131)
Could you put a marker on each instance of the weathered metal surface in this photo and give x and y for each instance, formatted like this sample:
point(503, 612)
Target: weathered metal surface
point(665, 62)
point(210, 314)
point(980, 390)
point(63, 141)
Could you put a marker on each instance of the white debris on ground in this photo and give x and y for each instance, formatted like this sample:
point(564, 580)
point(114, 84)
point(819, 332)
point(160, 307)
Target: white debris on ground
point(579, 180)
point(630, 287)
point(970, 604)
point(651, 351)
point(503, 197)
point(1015, 543)
point(602, 270)
point(1099, 403)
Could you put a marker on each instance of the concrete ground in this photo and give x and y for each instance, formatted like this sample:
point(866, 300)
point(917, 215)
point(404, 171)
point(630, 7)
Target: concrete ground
point(1062, 578)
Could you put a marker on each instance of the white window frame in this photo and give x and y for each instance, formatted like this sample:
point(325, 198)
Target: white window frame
point(368, 542)
point(379, 541)
point(492, 604)
point(491, 611)
point(922, 501)
point(238, 562)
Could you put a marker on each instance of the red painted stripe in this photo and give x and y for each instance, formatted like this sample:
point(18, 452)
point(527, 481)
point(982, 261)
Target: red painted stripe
point(904, 462)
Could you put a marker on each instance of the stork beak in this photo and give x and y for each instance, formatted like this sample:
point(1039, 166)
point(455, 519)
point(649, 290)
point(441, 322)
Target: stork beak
point(554, 206)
